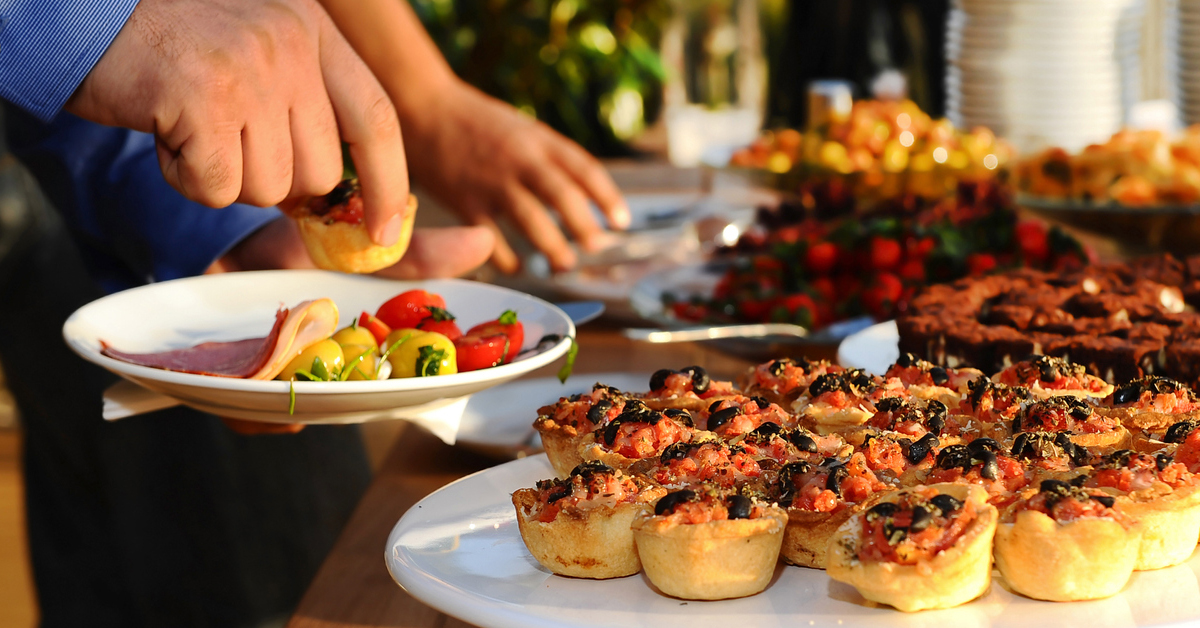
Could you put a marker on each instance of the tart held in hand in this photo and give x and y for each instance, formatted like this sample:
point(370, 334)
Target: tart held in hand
point(335, 232)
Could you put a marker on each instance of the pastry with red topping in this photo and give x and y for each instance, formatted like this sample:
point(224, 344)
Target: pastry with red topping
point(1151, 403)
point(1061, 542)
point(782, 381)
point(335, 232)
point(927, 380)
point(565, 425)
point(686, 389)
point(708, 545)
point(637, 433)
point(1047, 376)
point(691, 464)
point(1076, 417)
point(733, 416)
point(921, 548)
point(580, 526)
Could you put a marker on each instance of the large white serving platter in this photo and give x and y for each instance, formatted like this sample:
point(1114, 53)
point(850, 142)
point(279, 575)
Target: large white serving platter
point(873, 349)
point(233, 306)
point(459, 550)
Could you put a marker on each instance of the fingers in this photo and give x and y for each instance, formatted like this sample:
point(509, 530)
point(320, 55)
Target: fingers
point(561, 193)
point(205, 165)
point(504, 258)
point(426, 256)
point(594, 180)
point(368, 123)
point(266, 161)
point(316, 147)
point(535, 222)
point(253, 428)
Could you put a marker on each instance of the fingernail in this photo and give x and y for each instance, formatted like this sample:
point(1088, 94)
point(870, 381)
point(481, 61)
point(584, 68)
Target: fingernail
point(391, 230)
point(620, 216)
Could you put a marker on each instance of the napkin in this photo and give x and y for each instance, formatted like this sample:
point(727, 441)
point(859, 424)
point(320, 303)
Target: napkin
point(442, 417)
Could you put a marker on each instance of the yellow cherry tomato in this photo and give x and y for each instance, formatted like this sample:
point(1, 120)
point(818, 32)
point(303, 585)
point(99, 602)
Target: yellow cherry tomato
point(364, 369)
point(397, 338)
point(323, 360)
point(354, 335)
point(424, 354)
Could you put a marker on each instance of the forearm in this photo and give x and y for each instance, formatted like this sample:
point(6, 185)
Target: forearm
point(394, 44)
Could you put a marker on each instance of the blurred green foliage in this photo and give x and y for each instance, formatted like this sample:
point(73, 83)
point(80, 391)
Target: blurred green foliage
point(588, 68)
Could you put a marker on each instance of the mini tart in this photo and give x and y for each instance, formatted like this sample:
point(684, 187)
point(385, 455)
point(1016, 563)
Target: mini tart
point(782, 381)
point(346, 247)
point(946, 578)
point(1085, 558)
point(1162, 496)
point(564, 426)
point(838, 402)
point(1076, 417)
point(688, 389)
point(590, 536)
point(1048, 376)
point(693, 547)
point(1151, 404)
point(638, 433)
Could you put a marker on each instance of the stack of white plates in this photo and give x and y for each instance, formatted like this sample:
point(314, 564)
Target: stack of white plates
point(1189, 59)
point(1044, 72)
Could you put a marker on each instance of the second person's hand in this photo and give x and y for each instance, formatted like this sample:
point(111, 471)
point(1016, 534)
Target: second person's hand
point(249, 101)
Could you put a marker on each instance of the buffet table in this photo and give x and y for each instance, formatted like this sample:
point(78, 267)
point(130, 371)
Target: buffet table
point(353, 587)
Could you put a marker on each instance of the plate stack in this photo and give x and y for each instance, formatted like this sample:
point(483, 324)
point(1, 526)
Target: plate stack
point(1044, 72)
point(1189, 59)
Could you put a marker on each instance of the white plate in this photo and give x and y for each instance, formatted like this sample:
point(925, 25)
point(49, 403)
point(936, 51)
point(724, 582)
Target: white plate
point(500, 420)
point(873, 349)
point(232, 306)
point(459, 551)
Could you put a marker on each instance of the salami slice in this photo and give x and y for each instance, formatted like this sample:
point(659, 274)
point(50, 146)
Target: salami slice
point(238, 358)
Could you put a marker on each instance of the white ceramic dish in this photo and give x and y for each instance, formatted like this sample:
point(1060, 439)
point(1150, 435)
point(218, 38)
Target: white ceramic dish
point(459, 551)
point(873, 349)
point(232, 306)
point(499, 421)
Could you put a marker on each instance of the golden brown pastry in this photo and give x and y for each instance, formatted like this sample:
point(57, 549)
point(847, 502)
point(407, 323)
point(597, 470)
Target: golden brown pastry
point(335, 232)
point(919, 548)
point(564, 426)
point(581, 526)
point(1063, 543)
point(709, 546)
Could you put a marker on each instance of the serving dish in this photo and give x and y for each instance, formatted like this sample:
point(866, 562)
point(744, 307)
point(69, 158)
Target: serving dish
point(233, 306)
point(684, 282)
point(1137, 230)
point(873, 349)
point(459, 551)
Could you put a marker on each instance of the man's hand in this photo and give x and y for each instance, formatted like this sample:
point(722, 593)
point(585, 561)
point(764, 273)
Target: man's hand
point(247, 99)
point(484, 159)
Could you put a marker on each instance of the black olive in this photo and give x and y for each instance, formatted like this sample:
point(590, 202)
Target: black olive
point(983, 444)
point(828, 382)
point(1128, 393)
point(659, 379)
point(721, 417)
point(558, 492)
point(1178, 432)
point(1016, 425)
point(977, 388)
point(1079, 480)
point(1119, 458)
point(906, 360)
point(936, 423)
point(1162, 460)
point(1055, 486)
point(836, 476)
point(739, 507)
point(918, 450)
point(939, 375)
point(1081, 411)
point(575, 398)
point(767, 430)
point(946, 503)
point(762, 404)
point(1105, 500)
point(675, 451)
point(1047, 369)
point(1022, 447)
point(881, 510)
point(990, 468)
point(591, 467)
point(921, 518)
point(599, 411)
point(666, 505)
point(792, 470)
point(700, 380)
point(803, 441)
point(612, 429)
point(891, 404)
point(859, 378)
point(894, 534)
point(683, 417)
point(342, 192)
point(712, 407)
point(953, 457)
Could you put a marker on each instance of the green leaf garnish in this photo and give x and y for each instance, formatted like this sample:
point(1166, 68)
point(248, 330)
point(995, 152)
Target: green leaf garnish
point(320, 371)
point(291, 397)
point(569, 365)
point(393, 347)
point(429, 363)
point(508, 317)
point(304, 375)
point(354, 322)
point(439, 314)
point(349, 368)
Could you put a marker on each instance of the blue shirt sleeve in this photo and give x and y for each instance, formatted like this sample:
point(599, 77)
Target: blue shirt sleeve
point(132, 226)
point(47, 47)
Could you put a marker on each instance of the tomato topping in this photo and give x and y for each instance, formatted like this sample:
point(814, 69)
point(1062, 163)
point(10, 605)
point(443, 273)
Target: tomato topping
point(919, 525)
point(590, 485)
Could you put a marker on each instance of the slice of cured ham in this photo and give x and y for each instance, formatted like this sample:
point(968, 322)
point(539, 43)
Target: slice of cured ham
point(253, 358)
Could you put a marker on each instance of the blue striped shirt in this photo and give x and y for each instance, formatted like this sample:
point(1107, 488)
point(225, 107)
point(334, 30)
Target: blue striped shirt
point(47, 47)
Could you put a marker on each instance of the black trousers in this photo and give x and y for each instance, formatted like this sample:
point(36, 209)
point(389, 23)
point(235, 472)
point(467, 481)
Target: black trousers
point(165, 519)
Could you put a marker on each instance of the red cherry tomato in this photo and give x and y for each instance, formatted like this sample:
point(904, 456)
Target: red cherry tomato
point(885, 253)
point(509, 326)
point(821, 258)
point(796, 308)
point(378, 328)
point(407, 309)
point(440, 321)
point(980, 263)
point(913, 270)
point(1033, 240)
point(882, 294)
point(475, 352)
